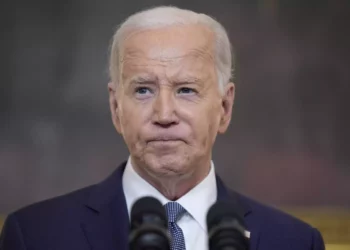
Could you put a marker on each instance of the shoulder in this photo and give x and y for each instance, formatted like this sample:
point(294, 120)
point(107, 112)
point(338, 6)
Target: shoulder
point(64, 206)
point(279, 227)
point(42, 223)
point(265, 213)
point(76, 202)
point(75, 205)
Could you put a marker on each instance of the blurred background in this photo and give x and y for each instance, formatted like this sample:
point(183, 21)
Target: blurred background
point(287, 146)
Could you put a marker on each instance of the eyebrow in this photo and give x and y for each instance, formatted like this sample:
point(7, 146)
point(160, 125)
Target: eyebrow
point(150, 79)
point(138, 79)
point(187, 79)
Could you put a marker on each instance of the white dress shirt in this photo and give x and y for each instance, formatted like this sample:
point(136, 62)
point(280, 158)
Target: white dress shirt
point(196, 202)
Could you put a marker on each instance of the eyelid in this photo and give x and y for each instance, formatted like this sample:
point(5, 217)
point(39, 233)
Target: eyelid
point(143, 87)
point(193, 90)
point(137, 85)
point(146, 92)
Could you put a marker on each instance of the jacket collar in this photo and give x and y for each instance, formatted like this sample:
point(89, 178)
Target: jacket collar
point(111, 188)
point(106, 221)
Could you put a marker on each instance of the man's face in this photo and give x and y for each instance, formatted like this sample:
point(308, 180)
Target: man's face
point(168, 106)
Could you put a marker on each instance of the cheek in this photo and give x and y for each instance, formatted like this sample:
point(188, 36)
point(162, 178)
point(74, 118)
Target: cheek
point(210, 120)
point(132, 121)
point(203, 121)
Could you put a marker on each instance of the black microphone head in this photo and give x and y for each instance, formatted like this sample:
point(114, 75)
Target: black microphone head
point(226, 228)
point(148, 226)
point(148, 210)
point(220, 210)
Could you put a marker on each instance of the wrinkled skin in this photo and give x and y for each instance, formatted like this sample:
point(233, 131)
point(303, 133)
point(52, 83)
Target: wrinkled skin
point(168, 107)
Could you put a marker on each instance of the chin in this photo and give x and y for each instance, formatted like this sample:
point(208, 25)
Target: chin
point(167, 165)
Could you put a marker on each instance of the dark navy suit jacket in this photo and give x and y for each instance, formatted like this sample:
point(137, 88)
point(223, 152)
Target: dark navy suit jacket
point(96, 218)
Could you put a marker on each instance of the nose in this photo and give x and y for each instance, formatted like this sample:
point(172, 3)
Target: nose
point(165, 109)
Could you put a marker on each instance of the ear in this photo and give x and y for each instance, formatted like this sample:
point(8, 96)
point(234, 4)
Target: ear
point(114, 107)
point(226, 107)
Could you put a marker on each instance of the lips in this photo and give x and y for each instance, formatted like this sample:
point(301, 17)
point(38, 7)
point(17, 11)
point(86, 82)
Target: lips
point(165, 145)
point(164, 138)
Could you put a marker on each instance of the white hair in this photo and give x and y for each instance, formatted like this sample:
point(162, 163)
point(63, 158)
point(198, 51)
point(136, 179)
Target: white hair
point(164, 16)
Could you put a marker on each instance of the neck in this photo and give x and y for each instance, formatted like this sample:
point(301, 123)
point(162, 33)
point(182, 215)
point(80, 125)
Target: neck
point(175, 186)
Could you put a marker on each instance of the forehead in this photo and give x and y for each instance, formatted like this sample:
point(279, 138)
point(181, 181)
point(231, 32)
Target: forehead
point(183, 46)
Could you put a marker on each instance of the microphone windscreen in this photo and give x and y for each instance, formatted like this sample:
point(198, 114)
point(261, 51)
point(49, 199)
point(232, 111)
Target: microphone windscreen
point(220, 211)
point(226, 229)
point(148, 210)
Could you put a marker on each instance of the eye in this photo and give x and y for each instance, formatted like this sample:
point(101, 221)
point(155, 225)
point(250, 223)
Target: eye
point(143, 90)
point(186, 91)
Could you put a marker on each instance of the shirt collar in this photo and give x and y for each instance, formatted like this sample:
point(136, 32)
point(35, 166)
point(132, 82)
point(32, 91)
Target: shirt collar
point(196, 202)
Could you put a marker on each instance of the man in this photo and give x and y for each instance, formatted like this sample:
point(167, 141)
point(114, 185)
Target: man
point(170, 95)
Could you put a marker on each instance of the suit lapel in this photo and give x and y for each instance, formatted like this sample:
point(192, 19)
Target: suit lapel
point(106, 219)
point(243, 208)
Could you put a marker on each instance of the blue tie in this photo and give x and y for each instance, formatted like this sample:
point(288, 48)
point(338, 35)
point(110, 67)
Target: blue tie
point(174, 211)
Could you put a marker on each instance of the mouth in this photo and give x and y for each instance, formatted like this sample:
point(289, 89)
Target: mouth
point(165, 140)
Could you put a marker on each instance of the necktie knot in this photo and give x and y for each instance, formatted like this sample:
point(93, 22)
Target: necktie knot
point(174, 211)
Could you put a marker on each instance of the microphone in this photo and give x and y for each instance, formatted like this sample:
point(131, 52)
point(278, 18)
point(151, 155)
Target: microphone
point(226, 228)
point(148, 226)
